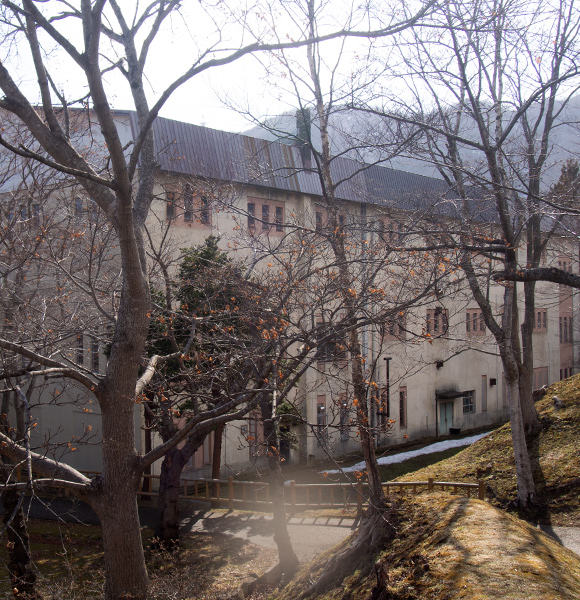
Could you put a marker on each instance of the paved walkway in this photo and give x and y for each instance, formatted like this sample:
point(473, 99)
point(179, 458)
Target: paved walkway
point(569, 537)
point(310, 535)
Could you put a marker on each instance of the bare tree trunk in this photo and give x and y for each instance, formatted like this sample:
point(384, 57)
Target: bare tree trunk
point(115, 502)
point(287, 559)
point(167, 528)
point(509, 354)
point(530, 415)
point(526, 487)
point(22, 575)
point(125, 572)
point(216, 462)
point(376, 494)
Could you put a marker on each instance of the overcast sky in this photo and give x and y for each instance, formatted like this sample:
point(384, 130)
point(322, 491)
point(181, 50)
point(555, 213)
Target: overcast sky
point(202, 100)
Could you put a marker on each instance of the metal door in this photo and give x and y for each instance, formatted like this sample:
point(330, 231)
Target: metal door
point(445, 417)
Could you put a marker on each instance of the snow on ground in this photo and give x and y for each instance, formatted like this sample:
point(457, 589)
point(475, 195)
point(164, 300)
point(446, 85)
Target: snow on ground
point(398, 458)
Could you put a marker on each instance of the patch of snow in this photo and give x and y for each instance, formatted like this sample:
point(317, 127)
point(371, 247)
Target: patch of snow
point(402, 456)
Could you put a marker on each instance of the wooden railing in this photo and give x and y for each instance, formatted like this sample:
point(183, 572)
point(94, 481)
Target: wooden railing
point(299, 496)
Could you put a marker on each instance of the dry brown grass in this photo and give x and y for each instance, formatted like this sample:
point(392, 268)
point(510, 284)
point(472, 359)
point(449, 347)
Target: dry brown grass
point(555, 455)
point(208, 566)
point(452, 548)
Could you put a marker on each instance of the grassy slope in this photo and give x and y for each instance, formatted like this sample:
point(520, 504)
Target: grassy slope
point(451, 548)
point(555, 455)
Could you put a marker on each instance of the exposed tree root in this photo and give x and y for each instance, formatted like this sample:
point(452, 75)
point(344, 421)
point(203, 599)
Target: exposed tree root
point(376, 529)
point(279, 574)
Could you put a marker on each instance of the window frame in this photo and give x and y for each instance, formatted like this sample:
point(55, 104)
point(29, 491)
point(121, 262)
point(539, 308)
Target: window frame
point(171, 197)
point(541, 317)
point(468, 402)
point(474, 322)
point(321, 420)
point(403, 407)
point(437, 322)
point(270, 213)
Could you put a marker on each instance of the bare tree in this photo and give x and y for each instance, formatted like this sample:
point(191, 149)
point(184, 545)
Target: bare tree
point(119, 179)
point(488, 90)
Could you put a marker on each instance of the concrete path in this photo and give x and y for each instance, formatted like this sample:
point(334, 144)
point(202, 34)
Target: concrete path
point(309, 535)
point(569, 537)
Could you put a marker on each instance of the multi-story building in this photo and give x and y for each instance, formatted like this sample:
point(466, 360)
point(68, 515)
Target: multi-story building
point(437, 368)
point(433, 368)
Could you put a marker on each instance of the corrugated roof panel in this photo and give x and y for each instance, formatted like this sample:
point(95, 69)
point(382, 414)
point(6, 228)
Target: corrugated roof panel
point(204, 152)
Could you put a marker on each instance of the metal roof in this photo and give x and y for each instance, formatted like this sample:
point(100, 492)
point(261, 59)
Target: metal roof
point(219, 155)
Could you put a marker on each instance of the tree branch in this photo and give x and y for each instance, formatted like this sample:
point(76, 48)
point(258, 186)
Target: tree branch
point(551, 274)
point(54, 365)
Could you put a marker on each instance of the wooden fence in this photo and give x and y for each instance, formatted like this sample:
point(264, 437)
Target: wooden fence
point(299, 496)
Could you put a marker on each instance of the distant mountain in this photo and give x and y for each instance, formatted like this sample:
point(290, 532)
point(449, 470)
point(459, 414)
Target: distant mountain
point(357, 135)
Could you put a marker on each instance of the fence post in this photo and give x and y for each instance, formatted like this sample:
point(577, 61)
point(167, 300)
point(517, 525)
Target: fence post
point(359, 500)
point(481, 485)
point(430, 484)
point(231, 493)
point(292, 497)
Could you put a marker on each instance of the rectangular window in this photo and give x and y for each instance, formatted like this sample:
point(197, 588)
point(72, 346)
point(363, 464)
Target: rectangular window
point(79, 209)
point(170, 202)
point(265, 217)
point(437, 323)
point(80, 349)
point(333, 348)
point(318, 222)
point(380, 230)
point(403, 407)
point(484, 393)
point(540, 377)
point(468, 402)
point(565, 265)
point(279, 218)
point(395, 327)
point(255, 431)
point(363, 222)
point(401, 233)
point(7, 321)
point(205, 211)
point(321, 420)
point(344, 419)
point(251, 217)
point(384, 409)
point(95, 355)
point(36, 214)
point(94, 212)
point(188, 204)
point(269, 213)
point(540, 320)
point(474, 322)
